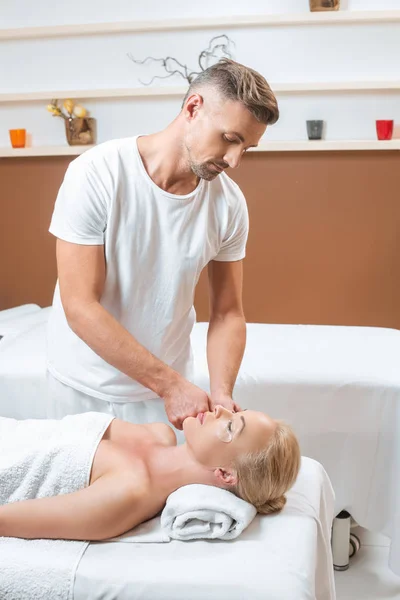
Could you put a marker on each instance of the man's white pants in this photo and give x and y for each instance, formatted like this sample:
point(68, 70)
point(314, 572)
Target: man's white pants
point(63, 400)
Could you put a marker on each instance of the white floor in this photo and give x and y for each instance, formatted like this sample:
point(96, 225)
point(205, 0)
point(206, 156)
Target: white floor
point(369, 577)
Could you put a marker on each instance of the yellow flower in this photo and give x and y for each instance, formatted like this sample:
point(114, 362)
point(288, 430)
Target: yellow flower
point(54, 110)
point(79, 111)
point(68, 105)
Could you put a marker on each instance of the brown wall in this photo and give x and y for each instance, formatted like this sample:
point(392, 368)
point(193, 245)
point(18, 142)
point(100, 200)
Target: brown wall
point(324, 243)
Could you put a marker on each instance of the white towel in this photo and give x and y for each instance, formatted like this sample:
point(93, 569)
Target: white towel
point(205, 512)
point(40, 458)
point(195, 512)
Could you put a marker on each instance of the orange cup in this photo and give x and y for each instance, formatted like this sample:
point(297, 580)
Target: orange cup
point(18, 138)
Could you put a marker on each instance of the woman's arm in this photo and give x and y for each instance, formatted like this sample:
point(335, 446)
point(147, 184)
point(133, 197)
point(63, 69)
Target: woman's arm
point(110, 506)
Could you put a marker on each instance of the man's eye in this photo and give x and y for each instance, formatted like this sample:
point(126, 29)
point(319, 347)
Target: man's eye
point(229, 140)
point(230, 426)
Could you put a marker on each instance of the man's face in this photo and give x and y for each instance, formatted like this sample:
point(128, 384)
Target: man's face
point(218, 133)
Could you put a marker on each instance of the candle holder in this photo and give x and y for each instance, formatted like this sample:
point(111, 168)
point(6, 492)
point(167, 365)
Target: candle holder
point(384, 129)
point(315, 129)
point(17, 138)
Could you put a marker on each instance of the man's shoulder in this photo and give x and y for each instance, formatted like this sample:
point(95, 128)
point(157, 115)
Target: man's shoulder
point(223, 186)
point(224, 183)
point(106, 154)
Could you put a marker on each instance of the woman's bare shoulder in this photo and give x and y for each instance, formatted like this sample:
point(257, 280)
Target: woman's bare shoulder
point(143, 498)
point(127, 499)
point(124, 432)
point(163, 432)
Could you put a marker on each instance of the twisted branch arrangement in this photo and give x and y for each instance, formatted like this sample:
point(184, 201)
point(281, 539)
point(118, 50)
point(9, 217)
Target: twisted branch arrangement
point(174, 67)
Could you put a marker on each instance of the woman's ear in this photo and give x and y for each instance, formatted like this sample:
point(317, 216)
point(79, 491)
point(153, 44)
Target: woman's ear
point(226, 477)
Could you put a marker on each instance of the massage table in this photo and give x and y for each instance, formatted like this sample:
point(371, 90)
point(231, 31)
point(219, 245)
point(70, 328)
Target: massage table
point(338, 386)
point(278, 557)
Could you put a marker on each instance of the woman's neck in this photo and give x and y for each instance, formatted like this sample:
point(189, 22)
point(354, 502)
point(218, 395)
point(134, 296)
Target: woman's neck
point(173, 467)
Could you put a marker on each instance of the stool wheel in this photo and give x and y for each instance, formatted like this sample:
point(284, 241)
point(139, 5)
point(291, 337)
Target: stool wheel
point(355, 545)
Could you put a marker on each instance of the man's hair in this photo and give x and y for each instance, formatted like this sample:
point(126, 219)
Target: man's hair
point(242, 84)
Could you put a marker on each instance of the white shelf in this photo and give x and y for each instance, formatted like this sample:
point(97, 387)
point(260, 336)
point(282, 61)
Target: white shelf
point(43, 151)
point(323, 145)
point(171, 91)
point(336, 86)
point(296, 146)
point(92, 94)
point(306, 18)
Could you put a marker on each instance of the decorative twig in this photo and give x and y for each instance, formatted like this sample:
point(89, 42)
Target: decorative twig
point(209, 52)
point(164, 63)
point(203, 58)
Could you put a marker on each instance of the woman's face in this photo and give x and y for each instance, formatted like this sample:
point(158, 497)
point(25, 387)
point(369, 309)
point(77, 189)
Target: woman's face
point(217, 438)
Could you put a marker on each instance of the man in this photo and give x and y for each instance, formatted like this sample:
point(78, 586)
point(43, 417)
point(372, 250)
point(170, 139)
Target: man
point(137, 220)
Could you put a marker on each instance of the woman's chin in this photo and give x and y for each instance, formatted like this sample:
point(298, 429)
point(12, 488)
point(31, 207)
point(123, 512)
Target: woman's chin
point(187, 422)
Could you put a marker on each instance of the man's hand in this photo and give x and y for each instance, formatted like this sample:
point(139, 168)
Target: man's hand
point(224, 400)
point(185, 400)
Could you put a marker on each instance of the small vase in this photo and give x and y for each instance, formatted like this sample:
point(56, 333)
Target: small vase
point(319, 5)
point(80, 131)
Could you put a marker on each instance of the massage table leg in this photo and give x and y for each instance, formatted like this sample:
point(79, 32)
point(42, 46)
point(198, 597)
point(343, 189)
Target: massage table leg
point(344, 544)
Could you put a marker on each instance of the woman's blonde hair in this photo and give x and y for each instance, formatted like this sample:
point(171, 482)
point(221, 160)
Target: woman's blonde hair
point(237, 82)
point(265, 477)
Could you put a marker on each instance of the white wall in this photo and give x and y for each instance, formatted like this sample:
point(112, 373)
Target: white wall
point(358, 52)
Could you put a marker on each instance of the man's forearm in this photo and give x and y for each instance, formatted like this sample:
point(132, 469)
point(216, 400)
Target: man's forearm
point(114, 344)
point(226, 342)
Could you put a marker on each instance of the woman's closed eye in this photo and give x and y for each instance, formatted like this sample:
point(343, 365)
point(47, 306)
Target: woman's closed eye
point(225, 432)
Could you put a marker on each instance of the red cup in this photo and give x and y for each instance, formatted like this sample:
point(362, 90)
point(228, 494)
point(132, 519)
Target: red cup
point(384, 130)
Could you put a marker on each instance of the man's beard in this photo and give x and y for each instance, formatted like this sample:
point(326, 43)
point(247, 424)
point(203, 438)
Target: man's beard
point(203, 170)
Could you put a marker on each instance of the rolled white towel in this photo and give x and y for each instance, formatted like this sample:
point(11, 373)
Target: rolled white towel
point(205, 512)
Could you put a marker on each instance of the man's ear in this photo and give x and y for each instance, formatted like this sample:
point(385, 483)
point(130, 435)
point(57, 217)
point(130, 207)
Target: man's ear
point(226, 477)
point(192, 105)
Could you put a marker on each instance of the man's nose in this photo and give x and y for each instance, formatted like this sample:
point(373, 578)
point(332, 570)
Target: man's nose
point(233, 157)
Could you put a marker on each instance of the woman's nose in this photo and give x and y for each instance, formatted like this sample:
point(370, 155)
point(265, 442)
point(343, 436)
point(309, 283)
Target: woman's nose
point(220, 411)
point(217, 411)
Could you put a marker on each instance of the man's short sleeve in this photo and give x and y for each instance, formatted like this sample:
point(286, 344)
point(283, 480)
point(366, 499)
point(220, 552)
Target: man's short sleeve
point(234, 244)
point(80, 212)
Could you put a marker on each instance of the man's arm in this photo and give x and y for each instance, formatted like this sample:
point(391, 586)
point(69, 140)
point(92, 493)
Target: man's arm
point(107, 508)
point(226, 338)
point(81, 273)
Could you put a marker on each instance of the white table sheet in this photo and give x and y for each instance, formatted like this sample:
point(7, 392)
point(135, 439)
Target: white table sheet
point(279, 557)
point(338, 386)
point(23, 362)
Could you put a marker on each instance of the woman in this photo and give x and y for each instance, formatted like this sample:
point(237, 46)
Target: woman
point(93, 477)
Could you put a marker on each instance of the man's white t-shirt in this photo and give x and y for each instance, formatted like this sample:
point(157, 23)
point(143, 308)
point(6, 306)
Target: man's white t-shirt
point(156, 245)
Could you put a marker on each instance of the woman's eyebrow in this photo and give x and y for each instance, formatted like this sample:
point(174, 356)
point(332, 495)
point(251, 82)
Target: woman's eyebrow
point(244, 423)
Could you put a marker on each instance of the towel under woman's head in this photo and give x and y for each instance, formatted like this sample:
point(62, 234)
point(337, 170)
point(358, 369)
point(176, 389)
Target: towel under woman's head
point(205, 512)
